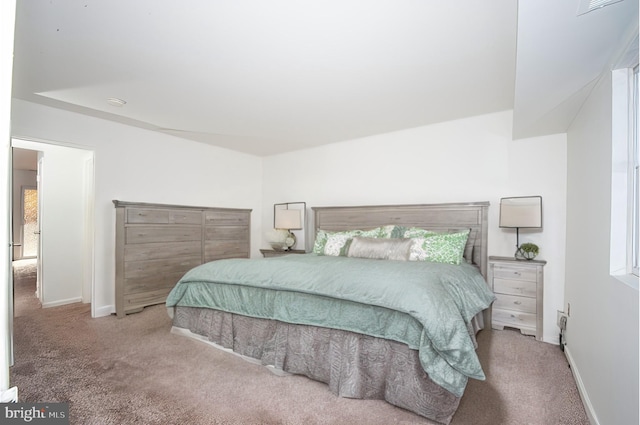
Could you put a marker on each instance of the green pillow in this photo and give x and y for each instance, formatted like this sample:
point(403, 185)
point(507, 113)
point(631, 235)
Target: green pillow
point(416, 232)
point(338, 244)
point(333, 243)
point(439, 247)
point(320, 242)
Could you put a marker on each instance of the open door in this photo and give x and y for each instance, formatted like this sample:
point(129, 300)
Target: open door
point(9, 259)
point(37, 230)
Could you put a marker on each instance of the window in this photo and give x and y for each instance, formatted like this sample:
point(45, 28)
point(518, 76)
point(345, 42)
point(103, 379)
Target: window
point(634, 185)
point(625, 190)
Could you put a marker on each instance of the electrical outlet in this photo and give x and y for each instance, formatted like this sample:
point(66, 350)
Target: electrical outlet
point(561, 323)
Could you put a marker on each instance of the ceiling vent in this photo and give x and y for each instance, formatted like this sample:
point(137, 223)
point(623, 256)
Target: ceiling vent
point(587, 6)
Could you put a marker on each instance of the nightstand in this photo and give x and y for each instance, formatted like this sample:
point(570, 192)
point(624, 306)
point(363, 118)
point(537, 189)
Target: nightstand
point(518, 286)
point(266, 253)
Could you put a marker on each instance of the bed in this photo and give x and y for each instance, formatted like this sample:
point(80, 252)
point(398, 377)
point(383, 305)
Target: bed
point(363, 312)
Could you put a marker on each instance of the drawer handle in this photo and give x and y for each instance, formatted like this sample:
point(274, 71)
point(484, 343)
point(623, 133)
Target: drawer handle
point(517, 302)
point(516, 273)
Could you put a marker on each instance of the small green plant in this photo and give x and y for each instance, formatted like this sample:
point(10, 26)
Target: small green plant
point(529, 250)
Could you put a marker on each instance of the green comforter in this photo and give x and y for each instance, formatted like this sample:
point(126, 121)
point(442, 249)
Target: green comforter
point(424, 305)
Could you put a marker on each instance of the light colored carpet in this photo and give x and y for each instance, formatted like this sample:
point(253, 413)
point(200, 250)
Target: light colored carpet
point(132, 370)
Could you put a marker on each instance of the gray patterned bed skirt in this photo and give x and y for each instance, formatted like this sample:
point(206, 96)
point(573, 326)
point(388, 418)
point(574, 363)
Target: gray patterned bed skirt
point(353, 365)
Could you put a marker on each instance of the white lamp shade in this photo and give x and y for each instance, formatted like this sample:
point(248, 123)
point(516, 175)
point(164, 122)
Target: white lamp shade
point(288, 219)
point(521, 212)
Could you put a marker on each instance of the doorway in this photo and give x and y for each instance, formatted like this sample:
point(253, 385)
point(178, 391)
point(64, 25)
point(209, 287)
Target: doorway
point(62, 239)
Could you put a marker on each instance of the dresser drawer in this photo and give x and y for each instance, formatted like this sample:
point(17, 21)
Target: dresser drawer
point(147, 216)
point(515, 303)
point(137, 302)
point(148, 234)
point(226, 218)
point(515, 287)
point(152, 282)
point(185, 217)
point(137, 269)
point(226, 232)
point(514, 273)
point(160, 216)
point(514, 319)
point(156, 251)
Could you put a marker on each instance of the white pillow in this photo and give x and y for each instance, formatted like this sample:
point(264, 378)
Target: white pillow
point(380, 248)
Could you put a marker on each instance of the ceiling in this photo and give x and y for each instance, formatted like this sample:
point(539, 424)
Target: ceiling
point(266, 77)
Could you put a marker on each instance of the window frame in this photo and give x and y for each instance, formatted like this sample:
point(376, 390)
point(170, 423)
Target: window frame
point(623, 260)
point(634, 176)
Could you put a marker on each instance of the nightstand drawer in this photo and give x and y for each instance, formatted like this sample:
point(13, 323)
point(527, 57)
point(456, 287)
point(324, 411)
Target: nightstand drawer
point(515, 287)
point(515, 303)
point(514, 273)
point(513, 319)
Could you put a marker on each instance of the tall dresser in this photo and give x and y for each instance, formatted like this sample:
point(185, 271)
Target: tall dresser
point(156, 244)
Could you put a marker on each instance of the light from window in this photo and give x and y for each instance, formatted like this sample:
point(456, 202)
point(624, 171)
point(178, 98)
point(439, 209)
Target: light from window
point(634, 162)
point(625, 228)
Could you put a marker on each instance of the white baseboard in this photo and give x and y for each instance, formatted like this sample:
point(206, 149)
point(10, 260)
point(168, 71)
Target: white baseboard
point(62, 302)
point(588, 407)
point(9, 396)
point(104, 311)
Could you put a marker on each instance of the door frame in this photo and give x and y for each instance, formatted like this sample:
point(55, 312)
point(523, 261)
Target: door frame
point(88, 196)
point(39, 256)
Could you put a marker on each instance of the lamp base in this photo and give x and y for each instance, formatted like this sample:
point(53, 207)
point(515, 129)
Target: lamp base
point(278, 246)
point(290, 241)
point(286, 245)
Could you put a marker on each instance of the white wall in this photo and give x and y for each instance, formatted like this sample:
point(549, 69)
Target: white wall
point(602, 330)
point(132, 164)
point(472, 159)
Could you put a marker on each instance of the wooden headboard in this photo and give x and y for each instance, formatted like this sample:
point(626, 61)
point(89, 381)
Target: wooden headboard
point(436, 217)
